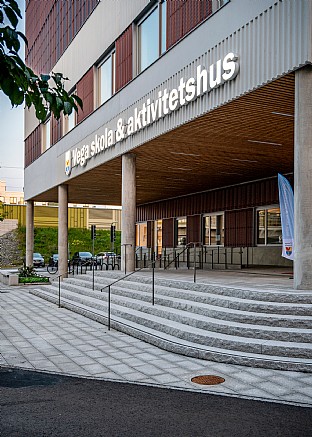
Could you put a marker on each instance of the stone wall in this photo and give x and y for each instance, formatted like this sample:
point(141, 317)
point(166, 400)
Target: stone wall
point(9, 252)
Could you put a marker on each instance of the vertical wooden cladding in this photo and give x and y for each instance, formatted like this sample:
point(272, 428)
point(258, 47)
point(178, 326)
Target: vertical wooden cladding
point(239, 228)
point(56, 130)
point(33, 146)
point(168, 232)
point(183, 16)
point(193, 229)
point(236, 197)
point(123, 58)
point(150, 234)
point(85, 90)
point(51, 25)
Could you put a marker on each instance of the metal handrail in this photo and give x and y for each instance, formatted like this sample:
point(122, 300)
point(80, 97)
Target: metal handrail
point(187, 246)
point(120, 279)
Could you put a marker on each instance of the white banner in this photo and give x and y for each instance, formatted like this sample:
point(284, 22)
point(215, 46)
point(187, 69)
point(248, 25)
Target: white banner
point(286, 197)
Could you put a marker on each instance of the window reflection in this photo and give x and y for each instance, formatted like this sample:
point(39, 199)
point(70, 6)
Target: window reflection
point(181, 231)
point(149, 40)
point(214, 230)
point(106, 79)
point(269, 228)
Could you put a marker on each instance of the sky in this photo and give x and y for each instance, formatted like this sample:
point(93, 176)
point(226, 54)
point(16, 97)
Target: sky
point(12, 138)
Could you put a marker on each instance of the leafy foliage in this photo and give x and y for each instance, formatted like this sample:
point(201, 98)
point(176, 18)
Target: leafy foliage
point(27, 272)
point(46, 241)
point(32, 279)
point(2, 215)
point(45, 92)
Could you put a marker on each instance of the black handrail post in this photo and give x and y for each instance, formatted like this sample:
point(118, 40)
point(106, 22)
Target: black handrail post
point(109, 307)
point(212, 259)
point(92, 274)
point(153, 264)
point(59, 291)
point(194, 262)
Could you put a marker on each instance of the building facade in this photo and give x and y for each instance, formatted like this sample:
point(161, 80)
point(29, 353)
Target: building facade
point(191, 109)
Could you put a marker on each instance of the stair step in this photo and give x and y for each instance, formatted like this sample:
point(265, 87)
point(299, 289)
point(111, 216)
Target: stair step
point(260, 356)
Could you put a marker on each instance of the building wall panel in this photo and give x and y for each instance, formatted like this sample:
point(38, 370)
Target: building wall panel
point(254, 194)
point(261, 61)
point(56, 130)
point(33, 146)
point(51, 25)
point(85, 90)
point(239, 228)
point(193, 229)
point(124, 58)
point(168, 232)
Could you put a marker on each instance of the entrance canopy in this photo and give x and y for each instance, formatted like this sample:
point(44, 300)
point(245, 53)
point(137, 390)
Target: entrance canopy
point(249, 138)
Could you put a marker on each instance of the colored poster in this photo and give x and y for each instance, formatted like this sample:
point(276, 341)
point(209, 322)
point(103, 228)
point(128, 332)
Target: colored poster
point(286, 197)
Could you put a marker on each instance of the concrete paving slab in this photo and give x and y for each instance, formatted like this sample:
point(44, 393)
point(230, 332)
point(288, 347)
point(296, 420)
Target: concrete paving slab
point(38, 335)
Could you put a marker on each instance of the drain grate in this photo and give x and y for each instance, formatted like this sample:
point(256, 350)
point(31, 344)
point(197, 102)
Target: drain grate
point(208, 379)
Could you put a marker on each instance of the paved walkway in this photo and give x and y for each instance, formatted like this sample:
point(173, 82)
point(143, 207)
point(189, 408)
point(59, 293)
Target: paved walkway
point(36, 334)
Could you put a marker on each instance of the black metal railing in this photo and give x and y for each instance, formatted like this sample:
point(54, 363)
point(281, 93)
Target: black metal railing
point(124, 277)
point(205, 257)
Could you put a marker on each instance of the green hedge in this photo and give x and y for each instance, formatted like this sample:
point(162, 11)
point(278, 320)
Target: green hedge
point(46, 241)
point(32, 279)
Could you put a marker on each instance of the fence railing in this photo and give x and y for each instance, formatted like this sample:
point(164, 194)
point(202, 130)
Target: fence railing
point(196, 255)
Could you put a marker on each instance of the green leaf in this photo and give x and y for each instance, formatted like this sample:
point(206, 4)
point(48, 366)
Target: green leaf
point(45, 77)
point(78, 100)
point(18, 96)
point(68, 109)
point(21, 35)
point(15, 7)
point(11, 16)
point(28, 100)
point(59, 103)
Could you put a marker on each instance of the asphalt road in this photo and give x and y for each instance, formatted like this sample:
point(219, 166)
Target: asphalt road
point(36, 404)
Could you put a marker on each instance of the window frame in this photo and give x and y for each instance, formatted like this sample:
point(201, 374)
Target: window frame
point(222, 236)
point(176, 232)
point(112, 56)
point(44, 134)
point(266, 208)
point(66, 118)
point(160, 4)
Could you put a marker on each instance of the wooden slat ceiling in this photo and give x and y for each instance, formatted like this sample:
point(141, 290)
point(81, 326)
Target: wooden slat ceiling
point(244, 140)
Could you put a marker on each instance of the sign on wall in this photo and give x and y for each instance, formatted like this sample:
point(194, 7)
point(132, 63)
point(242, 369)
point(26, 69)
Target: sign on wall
point(168, 101)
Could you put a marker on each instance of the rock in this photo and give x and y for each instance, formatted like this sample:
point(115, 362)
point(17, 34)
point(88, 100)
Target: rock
point(10, 254)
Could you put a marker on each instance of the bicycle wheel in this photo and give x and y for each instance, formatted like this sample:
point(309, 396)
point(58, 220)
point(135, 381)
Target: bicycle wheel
point(52, 269)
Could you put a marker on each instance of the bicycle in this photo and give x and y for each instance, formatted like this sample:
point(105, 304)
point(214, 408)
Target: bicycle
point(53, 268)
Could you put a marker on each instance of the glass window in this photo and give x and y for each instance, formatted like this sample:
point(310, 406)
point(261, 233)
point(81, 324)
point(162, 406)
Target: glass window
point(163, 25)
point(214, 230)
point(47, 135)
point(152, 36)
point(217, 4)
point(269, 227)
point(13, 200)
point(69, 122)
point(181, 231)
point(106, 79)
point(141, 234)
point(158, 236)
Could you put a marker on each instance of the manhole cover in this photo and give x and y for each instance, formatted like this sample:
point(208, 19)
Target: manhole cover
point(208, 379)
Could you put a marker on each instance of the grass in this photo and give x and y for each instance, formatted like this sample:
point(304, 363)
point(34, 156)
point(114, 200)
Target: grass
point(46, 241)
point(32, 279)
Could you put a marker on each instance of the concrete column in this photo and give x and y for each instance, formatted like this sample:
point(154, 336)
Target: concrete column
point(128, 216)
point(63, 230)
point(29, 232)
point(303, 179)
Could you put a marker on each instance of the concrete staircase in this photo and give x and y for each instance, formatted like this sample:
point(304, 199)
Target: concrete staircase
point(219, 323)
